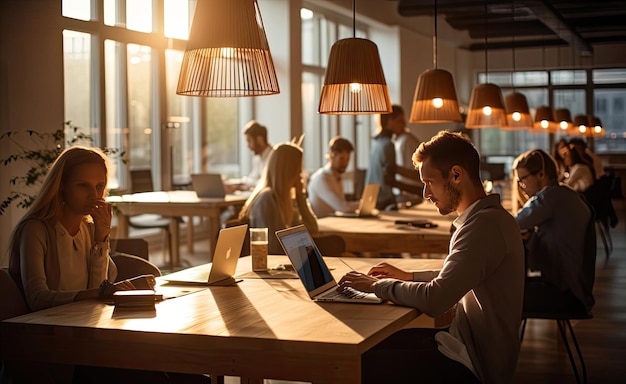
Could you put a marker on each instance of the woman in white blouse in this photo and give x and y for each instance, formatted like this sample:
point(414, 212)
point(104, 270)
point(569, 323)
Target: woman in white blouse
point(581, 175)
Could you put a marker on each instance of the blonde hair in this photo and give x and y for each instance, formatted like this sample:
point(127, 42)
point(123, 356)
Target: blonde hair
point(283, 165)
point(48, 206)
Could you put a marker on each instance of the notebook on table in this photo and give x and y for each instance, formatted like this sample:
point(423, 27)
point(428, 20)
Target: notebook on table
point(227, 252)
point(313, 271)
point(367, 204)
point(208, 185)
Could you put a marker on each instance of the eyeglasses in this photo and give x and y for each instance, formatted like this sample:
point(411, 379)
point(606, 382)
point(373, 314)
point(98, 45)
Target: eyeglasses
point(520, 180)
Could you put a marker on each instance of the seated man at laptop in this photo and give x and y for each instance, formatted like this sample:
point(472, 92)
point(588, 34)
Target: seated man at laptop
point(256, 137)
point(483, 275)
point(325, 185)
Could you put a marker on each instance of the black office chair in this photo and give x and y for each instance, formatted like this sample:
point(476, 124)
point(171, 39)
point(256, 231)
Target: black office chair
point(599, 197)
point(563, 319)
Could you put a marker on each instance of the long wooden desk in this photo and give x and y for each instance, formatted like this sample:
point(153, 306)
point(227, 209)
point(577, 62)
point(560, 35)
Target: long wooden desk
point(259, 328)
point(381, 235)
point(173, 204)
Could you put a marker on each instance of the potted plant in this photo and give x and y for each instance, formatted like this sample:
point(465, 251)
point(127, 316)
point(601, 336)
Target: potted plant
point(49, 146)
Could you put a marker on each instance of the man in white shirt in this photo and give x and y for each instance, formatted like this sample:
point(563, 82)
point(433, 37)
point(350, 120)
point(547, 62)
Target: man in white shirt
point(256, 137)
point(325, 185)
point(405, 143)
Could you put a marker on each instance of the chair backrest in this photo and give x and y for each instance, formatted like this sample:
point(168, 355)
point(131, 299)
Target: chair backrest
point(141, 180)
point(589, 260)
point(129, 266)
point(137, 247)
point(12, 302)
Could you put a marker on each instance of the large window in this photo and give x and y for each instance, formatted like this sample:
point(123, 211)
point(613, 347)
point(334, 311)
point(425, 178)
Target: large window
point(125, 97)
point(562, 89)
point(320, 30)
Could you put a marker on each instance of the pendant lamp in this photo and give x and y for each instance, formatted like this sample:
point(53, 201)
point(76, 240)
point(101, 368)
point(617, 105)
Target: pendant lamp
point(435, 96)
point(227, 54)
point(544, 120)
point(354, 82)
point(580, 125)
point(516, 105)
point(563, 119)
point(595, 126)
point(486, 107)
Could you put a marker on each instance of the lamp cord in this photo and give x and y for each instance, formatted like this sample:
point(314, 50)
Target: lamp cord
point(486, 46)
point(435, 39)
point(513, 43)
point(353, 18)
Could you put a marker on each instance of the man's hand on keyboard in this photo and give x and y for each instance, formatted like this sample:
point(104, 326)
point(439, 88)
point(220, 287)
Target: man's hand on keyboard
point(358, 281)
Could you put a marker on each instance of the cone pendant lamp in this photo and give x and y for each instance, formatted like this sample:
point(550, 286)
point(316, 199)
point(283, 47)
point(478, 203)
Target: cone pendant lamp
point(563, 118)
point(354, 82)
point(227, 53)
point(486, 107)
point(544, 120)
point(435, 96)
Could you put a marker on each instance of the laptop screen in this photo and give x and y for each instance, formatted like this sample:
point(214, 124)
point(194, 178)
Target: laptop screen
point(305, 257)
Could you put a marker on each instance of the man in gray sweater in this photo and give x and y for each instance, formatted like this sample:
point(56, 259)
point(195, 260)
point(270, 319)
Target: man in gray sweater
point(483, 275)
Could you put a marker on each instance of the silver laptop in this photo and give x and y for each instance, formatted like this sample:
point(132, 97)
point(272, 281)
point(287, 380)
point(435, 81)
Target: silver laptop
point(220, 272)
point(367, 204)
point(208, 185)
point(313, 271)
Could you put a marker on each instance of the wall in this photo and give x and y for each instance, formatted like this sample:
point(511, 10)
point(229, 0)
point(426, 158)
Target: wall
point(31, 94)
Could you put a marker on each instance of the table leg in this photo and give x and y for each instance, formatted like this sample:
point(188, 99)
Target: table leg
point(190, 234)
point(122, 226)
point(174, 242)
point(214, 230)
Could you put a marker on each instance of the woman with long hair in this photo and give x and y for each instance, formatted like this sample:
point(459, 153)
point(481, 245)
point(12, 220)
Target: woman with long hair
point(581, 174)
point(59, 250)
point(273, 203)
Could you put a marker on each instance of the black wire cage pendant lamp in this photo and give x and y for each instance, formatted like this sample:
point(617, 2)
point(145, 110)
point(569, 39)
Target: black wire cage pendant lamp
point(354, 82)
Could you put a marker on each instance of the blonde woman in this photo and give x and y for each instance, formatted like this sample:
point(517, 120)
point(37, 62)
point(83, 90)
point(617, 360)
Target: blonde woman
point(59, 251)
point(272, 203)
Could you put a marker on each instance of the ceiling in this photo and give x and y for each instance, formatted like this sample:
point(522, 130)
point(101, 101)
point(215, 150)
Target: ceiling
point(527, 23)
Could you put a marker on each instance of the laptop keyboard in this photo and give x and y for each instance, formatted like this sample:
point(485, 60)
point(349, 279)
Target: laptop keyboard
point(349, 293)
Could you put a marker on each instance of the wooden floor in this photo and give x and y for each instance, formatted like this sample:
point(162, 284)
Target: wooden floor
point(543, 358)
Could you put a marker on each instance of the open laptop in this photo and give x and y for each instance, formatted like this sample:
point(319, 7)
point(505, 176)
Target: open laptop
point(208, 185)
point(367, 204)
point(313, 271)
point(227, 251)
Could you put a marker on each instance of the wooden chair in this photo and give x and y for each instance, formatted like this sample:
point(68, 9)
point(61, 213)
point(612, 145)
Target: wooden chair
point(12, 304)
point(129, 266)
point(137, 247)
point(141, 181)
point(563, 319)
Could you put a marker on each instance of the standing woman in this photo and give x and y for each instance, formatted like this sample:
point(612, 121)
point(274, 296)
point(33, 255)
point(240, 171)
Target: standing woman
point(272, 203)
point(59, 251)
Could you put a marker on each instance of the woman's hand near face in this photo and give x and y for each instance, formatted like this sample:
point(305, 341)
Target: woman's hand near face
point(102, 213)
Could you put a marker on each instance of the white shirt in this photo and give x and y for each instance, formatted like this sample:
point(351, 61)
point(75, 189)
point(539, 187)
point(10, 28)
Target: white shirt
point(326, 193)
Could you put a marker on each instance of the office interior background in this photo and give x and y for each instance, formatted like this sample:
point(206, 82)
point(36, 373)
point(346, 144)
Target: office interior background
point(111, 68)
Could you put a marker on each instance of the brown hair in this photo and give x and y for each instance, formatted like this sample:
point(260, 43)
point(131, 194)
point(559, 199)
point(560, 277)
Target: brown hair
point(447, 149)
point(536, 161)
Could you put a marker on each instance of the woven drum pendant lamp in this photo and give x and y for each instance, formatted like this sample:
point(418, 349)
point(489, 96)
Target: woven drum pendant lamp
point(486, 107)
point(227, 53)
point(435, 96)
point(354, 82)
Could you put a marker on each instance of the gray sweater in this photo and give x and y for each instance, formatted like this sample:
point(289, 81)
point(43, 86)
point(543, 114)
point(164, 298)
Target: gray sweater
point(484, 273)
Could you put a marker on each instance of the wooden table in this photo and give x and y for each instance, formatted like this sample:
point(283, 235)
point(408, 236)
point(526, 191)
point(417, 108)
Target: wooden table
point(259, 328)
point(175, 204)
point(381, 235)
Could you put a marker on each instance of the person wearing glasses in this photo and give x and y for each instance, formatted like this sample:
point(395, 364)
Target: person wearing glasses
point(555, 219)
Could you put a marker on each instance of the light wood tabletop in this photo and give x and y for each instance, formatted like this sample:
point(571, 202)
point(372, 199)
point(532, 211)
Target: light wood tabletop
point(381, 235)
point(258, 328)
point(174, 204)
